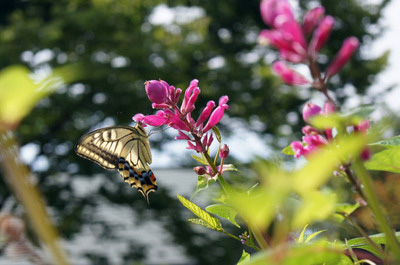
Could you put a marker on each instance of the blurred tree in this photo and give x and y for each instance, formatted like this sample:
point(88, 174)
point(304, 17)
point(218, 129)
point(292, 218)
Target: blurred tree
point(122, 43)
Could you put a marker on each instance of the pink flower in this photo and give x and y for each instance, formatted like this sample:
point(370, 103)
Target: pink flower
point(157, 91)
point(288, 75)
point(166, 98)
point(310, 110)
point(273, 9)
point(312, 19)
point(224, 152)
point(349, 46)
point(329, 108)
point(321, 35)
point(286, 34)
point(298, 148)
point(217, 114)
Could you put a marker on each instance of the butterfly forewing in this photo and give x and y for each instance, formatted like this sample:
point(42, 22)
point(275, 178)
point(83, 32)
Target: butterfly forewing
point(124, 148)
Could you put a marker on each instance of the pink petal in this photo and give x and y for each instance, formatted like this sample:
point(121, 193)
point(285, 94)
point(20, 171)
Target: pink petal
point(349, 46)
point(312, 19)
point(288, 75)
point(321, 35)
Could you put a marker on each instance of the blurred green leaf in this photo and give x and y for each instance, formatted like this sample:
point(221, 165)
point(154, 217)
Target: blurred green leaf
point(213, 222)
point(394, 141)
point(322, 163)
point(288, 150)
point(224, 211)
point(334, 120)
point(385, 160)
point(344, 209)
point(244, 258)
point(316, 253)
point(20, 91)
point(217, 133)
point(315, 206)
point(301, 238)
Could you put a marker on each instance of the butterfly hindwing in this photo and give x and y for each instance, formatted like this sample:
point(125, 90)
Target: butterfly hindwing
point(124, 148)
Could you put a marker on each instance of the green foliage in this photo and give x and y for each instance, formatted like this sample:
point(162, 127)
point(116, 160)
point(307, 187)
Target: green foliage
point(225, 211)
point(205, 218)
point(385, 160)
point(244, 258)
point(316, 253)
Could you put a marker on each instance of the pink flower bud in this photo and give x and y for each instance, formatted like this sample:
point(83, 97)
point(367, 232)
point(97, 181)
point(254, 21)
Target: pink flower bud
point(205, 113)
point(310, 110)
point(298, 148)
point(191, 94)
point(271, 9)
point(365, 154)
point(321, 35)
point(182, 136)
point(362, 126)
point(217, 114)
point(157, 91)
point(312, 19)
point(200, 170)
point(349, 46)
point(329, 108)
point(224, 152)
point(288, 75)
point(314, 140)
point(308, 130)
point(196, 147)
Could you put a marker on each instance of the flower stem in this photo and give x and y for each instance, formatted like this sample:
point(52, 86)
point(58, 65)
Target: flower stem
point(376, 209)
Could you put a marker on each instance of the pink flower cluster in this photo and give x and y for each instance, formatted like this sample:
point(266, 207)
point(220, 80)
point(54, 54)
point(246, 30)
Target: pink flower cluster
point(314, 138)
point(166, 97)
point(291, 40)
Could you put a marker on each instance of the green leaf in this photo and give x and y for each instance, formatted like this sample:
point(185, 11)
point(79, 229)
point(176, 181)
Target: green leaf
point(309, 237)
point(224, 211)
point(342, 209)
point(363, 111)
point(346, 208)
point(316, 253)
point(301, 236)
point(199, 159)
point(202, 184)
point(394, 141)
point(217, 133)
point(200, 222)
point(288, 150)
point(19, 93)
point(244, 258)
point(315, 206)
point(213, 222)
point(385, 160)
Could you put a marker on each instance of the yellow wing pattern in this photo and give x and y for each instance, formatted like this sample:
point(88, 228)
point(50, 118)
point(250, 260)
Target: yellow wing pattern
point(124, 148)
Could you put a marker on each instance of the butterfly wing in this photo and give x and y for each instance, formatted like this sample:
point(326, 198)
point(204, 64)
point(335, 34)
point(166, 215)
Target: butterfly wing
point(124, 148)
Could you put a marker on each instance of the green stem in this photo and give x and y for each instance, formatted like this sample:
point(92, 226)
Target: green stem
point(376, 209)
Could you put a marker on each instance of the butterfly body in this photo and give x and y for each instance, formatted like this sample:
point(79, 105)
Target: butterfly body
point(124, 148)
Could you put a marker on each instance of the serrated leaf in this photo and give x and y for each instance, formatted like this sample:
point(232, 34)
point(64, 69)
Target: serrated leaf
point(217, 133)
point(224, 211)
point(213, 222)
point(244, 258)
point(385, 160)
point(200, 222)
point(394, 141)
point(200, 159)
point(202, 184)
point(288, 150)
point(346, 208)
